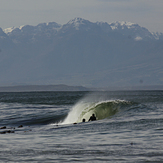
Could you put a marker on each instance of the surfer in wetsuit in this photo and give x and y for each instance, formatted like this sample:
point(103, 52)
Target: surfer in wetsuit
point(92, 118)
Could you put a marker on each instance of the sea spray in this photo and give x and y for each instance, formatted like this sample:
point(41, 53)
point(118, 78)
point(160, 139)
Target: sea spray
point(75, 112)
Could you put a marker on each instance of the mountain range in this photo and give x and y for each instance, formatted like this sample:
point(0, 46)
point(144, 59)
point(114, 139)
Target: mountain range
point(80, 52)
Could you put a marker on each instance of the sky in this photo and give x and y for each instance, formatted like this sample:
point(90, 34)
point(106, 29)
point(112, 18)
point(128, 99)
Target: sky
point(146, 13)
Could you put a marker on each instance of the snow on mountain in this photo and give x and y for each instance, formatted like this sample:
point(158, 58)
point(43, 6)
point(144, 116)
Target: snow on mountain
point(76, 22)
point(29, 33)
point(158, 35)
point(128, 29)
point(30, 28)
point(122, 25)
point(132, 29)
point(9, 30)
point(138, 38)
point(116, 25)
point(47, 26)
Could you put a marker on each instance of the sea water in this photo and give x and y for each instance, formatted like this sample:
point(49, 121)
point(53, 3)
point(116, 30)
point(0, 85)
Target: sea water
point(48, 127)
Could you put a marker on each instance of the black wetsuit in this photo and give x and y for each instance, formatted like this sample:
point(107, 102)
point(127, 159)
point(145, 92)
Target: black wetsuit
point(92, 118)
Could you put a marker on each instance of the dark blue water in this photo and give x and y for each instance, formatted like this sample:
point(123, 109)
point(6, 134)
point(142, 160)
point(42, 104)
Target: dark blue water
point(39, 126)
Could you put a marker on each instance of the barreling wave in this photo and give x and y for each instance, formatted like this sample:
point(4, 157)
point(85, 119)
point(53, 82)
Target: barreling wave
point(102, 110)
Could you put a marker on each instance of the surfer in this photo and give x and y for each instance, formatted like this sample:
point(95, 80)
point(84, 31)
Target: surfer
point(92, 118)
point(83, 120)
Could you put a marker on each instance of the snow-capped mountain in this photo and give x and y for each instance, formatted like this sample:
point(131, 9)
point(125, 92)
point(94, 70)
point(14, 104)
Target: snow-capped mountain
point(81, 52)
point(131, 29)
point(28, 33)
point(77, 22)
point(51, 29)
point(30, 28)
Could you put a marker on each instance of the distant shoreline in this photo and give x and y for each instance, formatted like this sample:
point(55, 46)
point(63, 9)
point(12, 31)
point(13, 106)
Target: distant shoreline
point(33, 88)
point(62, 87)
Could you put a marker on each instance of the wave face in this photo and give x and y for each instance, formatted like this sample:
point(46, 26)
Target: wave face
point(101, 109)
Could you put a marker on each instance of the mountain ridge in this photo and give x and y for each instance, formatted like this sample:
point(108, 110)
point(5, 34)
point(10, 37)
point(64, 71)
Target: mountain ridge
point(81, 52)
point(76, 22)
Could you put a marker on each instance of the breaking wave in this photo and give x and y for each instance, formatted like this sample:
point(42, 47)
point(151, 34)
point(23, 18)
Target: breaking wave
point(101, 109)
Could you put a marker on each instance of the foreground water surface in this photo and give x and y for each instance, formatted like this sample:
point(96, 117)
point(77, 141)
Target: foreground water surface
point(48, 127)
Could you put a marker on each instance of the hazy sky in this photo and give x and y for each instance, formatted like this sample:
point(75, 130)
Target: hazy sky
point(147, 13)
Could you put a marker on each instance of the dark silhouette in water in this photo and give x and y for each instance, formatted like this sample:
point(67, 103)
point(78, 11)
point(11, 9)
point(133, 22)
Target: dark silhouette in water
point(12, 129)
point(92, 118)
point(83, 120)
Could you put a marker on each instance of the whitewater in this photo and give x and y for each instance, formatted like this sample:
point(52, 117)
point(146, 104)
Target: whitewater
point(48, 127)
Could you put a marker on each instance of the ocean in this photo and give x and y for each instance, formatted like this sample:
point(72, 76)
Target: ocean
point(48, 127)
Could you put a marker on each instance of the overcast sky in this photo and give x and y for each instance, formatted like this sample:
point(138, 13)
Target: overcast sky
point(147, 13)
